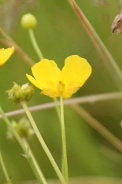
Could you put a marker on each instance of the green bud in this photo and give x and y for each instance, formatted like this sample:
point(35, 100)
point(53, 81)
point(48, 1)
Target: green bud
point(28, 21)
point(9, 133)
point(23, 128)
point(27, 91)
point(20, 93)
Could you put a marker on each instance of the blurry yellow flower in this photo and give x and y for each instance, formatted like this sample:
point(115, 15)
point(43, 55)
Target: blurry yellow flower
point(55, 82)
point(5, 54)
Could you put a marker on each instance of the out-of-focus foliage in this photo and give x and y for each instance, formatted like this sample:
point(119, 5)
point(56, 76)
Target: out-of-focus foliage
point(59, 34)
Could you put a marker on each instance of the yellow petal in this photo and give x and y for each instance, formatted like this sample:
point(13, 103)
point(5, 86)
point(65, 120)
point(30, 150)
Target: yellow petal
point(51, 93)
point(74, 74)
point(33, 81)
point(5, 54)
point(46, 77)
point(48, 92)
point(47, 74)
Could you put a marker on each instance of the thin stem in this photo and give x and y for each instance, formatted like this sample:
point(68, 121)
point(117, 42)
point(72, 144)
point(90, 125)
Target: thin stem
point(35, 45)
point(35, 161)
point(25, 150)
point(43, 144)
point(108, 60)
point(56, 104)
point(5, 170)
point(81, 100)
point(99, 127)
point(64, 150)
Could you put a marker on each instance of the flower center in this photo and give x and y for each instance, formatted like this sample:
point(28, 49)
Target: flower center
point(60, 87)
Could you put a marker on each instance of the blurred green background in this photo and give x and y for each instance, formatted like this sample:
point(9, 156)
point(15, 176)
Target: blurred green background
point(59, 34)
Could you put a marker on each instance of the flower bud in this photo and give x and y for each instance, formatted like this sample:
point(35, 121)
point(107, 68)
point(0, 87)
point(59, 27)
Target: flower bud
point(23, 128)
point(28, 21)
point(20, 93)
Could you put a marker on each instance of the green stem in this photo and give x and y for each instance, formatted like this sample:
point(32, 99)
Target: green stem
point(34, 160)
point(43, 144)
point(56, 104)
point(64, 150)
point(5, 170)
point(35, 45)
point(25, 150)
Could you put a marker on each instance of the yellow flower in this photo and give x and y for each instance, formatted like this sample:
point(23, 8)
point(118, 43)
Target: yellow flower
point(5, 54)
point(55, 82)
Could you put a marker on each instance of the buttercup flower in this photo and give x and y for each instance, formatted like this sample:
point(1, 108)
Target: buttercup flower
point(5, 54)
point(55, 82)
